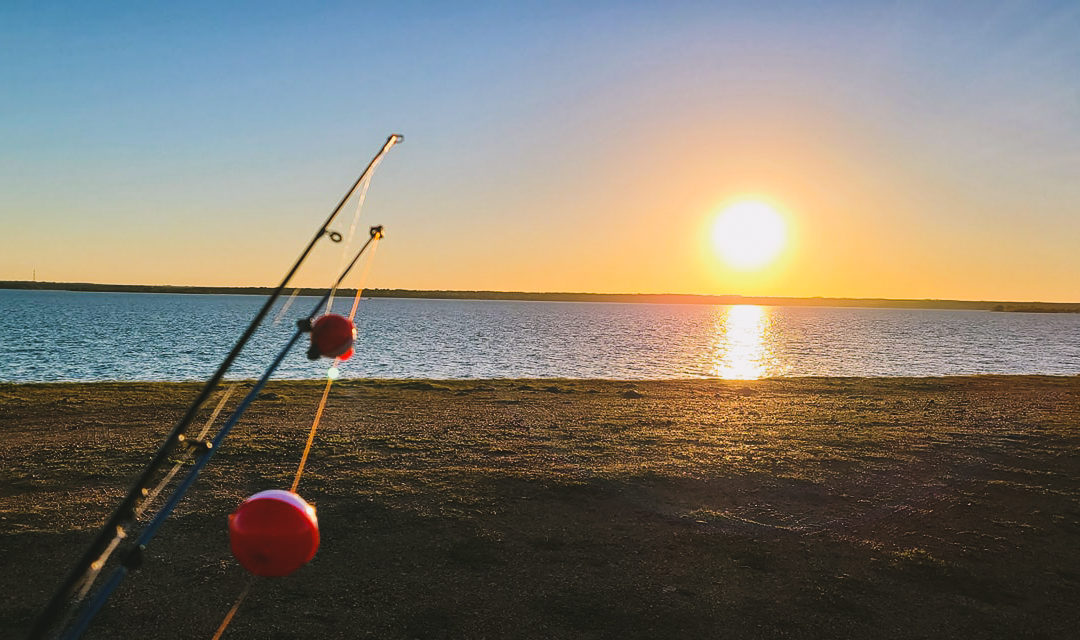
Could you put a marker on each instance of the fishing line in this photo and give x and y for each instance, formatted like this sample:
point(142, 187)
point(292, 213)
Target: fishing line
point(311, 434)
point(333, 367)
point(125, 513)
point(232, 612)
point(97, 565)
point(176, 467)
point(134, 557)
point(363, 280)
point(285, 307)
point(318, 417)
point(352, 230)
point(100, 562)
point(348, 240)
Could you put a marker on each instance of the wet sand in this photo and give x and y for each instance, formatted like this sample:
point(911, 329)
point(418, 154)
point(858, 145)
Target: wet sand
point(884, 508)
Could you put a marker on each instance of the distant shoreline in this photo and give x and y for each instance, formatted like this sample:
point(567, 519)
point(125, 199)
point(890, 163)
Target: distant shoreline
point(637, 298)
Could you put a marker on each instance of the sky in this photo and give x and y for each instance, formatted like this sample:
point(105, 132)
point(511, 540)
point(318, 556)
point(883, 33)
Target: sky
point(914, 149)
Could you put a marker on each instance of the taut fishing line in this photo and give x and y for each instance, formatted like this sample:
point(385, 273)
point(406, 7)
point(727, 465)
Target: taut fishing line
point(204, 451)
point(120, 525)
point(332, 374)
point(365, 184)
point(352, 232)
point(151, 495)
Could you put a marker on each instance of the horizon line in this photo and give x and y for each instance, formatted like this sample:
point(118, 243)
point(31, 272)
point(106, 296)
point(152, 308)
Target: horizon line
point(566, 296)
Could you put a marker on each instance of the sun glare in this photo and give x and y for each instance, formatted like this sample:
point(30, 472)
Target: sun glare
point(749, 234)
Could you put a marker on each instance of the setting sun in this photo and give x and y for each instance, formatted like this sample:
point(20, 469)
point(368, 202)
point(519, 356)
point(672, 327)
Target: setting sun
point(749, 234)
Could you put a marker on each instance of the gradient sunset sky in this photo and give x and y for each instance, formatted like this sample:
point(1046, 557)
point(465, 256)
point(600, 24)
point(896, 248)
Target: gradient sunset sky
point(916, 149)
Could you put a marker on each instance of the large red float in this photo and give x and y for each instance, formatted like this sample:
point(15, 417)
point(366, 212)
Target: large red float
point(274, 533)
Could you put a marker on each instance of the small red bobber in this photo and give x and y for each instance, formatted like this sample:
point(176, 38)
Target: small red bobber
point(274, 533)
point(331, 336)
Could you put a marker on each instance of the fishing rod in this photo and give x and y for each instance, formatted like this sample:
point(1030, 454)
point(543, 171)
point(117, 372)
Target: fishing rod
point(126, 512)
point(133, 558)
point(270, 543)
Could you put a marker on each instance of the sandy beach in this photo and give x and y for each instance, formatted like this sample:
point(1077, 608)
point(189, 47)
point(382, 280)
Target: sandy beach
point(885, 508)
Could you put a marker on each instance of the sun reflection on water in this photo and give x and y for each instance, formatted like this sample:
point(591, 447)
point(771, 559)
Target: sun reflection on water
point(740, 350)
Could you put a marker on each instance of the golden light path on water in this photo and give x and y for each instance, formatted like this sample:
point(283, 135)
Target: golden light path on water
point(740, 348)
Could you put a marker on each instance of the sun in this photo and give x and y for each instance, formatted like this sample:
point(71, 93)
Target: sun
point(749, 234)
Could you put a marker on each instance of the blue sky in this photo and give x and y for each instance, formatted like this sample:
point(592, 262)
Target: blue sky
point(931, 146)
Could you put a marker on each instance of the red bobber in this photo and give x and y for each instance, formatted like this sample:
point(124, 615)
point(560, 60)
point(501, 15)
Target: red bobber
point(331, 336)
point(274, 533)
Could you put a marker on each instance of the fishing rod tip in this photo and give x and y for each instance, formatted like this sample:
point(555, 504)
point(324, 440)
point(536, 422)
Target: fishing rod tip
point(395, 138)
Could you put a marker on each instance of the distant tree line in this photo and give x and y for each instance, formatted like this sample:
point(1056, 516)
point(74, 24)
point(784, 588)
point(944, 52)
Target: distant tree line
point(637, 298)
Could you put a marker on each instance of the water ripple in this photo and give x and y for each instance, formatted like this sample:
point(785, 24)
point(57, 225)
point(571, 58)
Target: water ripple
point(57, 335)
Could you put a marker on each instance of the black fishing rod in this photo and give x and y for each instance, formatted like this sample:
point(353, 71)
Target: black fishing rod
point(133, 557)
point(125, 513)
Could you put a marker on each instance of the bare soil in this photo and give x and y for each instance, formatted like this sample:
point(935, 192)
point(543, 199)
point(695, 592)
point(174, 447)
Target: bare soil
point(798, 508)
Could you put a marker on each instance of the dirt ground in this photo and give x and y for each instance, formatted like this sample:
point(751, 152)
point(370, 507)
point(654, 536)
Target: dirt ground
point(798, 508)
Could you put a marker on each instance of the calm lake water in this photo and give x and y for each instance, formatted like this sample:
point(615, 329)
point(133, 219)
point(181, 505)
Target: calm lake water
point(59, 335)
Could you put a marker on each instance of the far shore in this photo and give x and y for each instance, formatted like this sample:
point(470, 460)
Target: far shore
point(562, 509)
point(637, 298)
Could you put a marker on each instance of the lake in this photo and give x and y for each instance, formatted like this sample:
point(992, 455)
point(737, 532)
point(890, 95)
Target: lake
point(73, 336)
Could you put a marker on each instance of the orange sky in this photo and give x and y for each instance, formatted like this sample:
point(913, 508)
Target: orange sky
point(915, 155)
